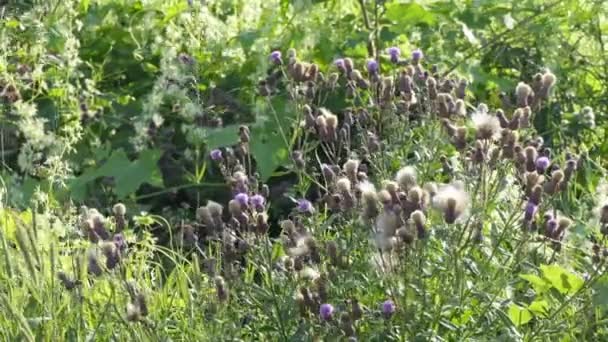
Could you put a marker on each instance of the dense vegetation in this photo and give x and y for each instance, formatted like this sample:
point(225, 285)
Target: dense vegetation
point(303, 170)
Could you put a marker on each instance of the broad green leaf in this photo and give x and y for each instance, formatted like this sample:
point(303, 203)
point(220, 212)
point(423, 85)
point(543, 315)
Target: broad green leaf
point(562, 280)
point(410, 14)
point(540, 285)
point(224, 136)
point(539, 307)
point(518, 315)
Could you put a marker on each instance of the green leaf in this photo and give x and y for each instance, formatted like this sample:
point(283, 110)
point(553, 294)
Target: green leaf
point(406, 15)
point(518, 315)
point(540, 285)
point(562, 280)
point(224, 136)
point(539, 307)
point(128, 175)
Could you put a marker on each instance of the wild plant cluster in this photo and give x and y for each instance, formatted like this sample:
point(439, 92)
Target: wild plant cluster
point(415, 215)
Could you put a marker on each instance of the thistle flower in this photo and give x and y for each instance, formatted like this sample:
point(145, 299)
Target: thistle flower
point(419, 221)
point(275, 57)
point(304, 206)
point(216, 155)
point(340, 64)
point(372, 67)
point(326, 311)
point(452, 201)
point(133, 313)
point(406, 177)
point(221, 289)
point(257, 201)
point(242, 199)
point(487, 126)
point(542, 163)
point(394, 52)
point(388, 308)
point(530, 211)
point(417, 55)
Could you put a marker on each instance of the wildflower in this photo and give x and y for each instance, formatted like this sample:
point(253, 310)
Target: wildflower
point(275, 57)
point(406, 177)
point(452, 201)
point(417, 55)
point(257, 201)
point(340, 64)
point(216, 155)
point(487, 126)
point(242, 198)
point(326, 312)
point(372, 67)
point(305, 206)
point(542, 163)
point(530, 211)
point(394, 53)
point(388, 308)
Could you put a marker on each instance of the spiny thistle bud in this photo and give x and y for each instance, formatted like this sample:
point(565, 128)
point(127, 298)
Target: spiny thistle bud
point(347, 324)
point(500, 115)
point(93, 266)
point(536, 194)
point(531, 155)
point(461, 91)
point(405, 235)
point(523, 92)
point(221, 289)
point(530, 211)
point(419, 220)
point(332, 252)
point(66, 281)
point(547, 82)
point(350, 168)
point(406, 177)
point(431, 85)
point(445, 105)
point(112, 254)
point(452, 201)
point(460, 108)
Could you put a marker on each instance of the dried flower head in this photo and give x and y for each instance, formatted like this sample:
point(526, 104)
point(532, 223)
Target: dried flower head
point(452, 200)
point(406, 177)
point(486, 126)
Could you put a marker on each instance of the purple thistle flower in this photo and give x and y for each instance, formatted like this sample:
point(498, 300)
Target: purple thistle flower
point(394, 52)
point(119, 242)
point(242, 198)
point(530, 211)
point(542, 163)
point(339, 63)
point(388, 308)
point(326, 312)
point(275, 57)
point(257, 200)
point(417, 55)
point(304, 206)
point(216, 155)
point(551, 227)
point(372, 66)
